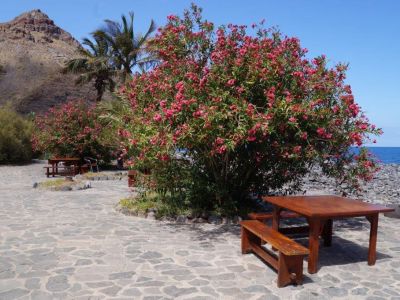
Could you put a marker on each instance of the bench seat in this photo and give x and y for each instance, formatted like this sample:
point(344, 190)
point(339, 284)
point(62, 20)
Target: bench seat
point(289, 262)
point(268, 216)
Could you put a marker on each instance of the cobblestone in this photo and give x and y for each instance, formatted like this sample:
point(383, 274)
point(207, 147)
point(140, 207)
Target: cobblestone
point(74, 245)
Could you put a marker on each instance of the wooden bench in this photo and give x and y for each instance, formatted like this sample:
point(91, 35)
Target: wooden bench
point(289, 262)
point(265, 216)
point(49, 171)
point(61, 170)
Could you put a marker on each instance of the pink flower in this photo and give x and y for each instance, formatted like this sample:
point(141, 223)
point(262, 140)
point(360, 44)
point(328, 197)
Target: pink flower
point(321, 131)
point(221, 149)
point(157, 118)
point(297, 149)
point(231, 82)
point(219, 141)
point(199, 113)
point(179, 86)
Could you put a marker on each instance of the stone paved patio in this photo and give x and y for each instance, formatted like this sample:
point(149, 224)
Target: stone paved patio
point(73, 245)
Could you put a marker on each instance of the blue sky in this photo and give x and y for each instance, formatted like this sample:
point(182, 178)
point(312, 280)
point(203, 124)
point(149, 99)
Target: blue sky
point(363, 33)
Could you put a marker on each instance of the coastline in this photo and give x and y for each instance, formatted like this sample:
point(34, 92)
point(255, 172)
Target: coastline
point(384, 188)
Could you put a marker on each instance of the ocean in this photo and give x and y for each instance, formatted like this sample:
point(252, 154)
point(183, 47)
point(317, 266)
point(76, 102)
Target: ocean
point(386, 155)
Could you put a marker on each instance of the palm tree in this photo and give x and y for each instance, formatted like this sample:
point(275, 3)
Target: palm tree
point(93, 65)
point(127, 48)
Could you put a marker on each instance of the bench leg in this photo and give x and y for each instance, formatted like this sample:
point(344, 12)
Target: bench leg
point(247, 240)
point(290, 269)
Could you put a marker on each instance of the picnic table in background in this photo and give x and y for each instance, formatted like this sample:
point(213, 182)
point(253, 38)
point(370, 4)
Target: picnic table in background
point(320, 212)
point(70, 166)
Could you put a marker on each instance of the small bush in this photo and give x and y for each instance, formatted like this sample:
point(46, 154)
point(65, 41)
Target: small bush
point(73, 129)
point(152, 200)
point(15, 137)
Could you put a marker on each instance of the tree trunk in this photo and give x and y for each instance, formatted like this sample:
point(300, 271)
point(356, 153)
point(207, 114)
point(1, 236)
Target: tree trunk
point(99, 95)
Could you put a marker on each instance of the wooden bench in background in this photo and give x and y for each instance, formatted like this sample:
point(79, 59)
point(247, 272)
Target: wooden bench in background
point(61, 170)
point(49, 171)
point(289, 262)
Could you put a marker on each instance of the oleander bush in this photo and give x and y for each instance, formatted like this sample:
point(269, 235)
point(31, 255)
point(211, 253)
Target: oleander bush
point(250, 113)
point(15, 137)
point(73, 129)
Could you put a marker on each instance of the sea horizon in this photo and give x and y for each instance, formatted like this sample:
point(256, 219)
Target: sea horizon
point(385, 155)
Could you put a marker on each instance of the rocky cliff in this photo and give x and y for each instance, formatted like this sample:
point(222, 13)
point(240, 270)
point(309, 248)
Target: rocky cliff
point(33, 50)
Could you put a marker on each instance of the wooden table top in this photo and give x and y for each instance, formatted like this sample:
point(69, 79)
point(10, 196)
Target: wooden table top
point(326, 206)
point(60, 159)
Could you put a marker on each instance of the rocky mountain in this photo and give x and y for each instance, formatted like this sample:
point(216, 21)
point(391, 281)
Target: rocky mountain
point(33, 50)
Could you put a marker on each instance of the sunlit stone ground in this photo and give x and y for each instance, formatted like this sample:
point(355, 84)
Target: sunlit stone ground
point(74, 245)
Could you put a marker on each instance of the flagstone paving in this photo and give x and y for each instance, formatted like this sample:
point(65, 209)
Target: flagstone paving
point(74, 245)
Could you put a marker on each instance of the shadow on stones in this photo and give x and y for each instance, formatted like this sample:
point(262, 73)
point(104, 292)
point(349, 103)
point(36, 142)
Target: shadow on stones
point(342, 251)
point(204, 234)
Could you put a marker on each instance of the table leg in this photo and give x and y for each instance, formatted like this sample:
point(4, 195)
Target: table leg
point(276, 216)
point(373, 220)
point(313, 245)
point(327, 233)
point(53, 169)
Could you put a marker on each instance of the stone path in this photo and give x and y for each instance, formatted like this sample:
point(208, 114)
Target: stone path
point(73, 245)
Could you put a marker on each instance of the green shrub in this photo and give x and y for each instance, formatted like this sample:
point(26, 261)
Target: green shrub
point(15, 137)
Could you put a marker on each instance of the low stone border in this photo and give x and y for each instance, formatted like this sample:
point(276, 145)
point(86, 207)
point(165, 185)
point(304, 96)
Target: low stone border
point(69, 184)
point(103, 176)
point(181, 219)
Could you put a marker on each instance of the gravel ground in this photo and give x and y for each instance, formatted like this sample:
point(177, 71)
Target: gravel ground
point(74, 245)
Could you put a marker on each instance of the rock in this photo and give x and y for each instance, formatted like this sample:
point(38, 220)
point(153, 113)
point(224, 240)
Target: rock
point(13, 294)
point(175, 292)
point(87, 185)
point(122, 275)
point(57, 283)
point(181, 219)
point(257, 289)
point(213, 219)
point(335, 292)
point(199, 220)
point(151, 215)
point(65, 188)
point(111, 291)
point(35, 185)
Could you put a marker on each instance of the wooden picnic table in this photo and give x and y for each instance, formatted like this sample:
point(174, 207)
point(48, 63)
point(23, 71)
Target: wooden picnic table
point(320, 212)
point(70, 161)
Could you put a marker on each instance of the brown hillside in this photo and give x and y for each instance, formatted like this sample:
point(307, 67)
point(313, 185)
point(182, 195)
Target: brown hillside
point(32, 52)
